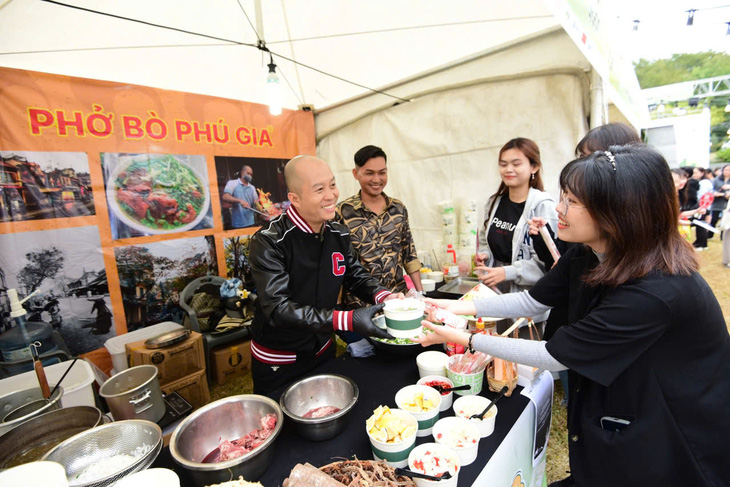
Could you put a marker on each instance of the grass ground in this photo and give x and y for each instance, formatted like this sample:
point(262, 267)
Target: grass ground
point(717, 276)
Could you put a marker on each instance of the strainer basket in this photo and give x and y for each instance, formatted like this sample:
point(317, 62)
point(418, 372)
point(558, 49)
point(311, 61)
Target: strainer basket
point(103, 442)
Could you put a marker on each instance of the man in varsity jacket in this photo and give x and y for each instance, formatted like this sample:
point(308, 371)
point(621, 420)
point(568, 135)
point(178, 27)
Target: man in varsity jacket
point(299, 261)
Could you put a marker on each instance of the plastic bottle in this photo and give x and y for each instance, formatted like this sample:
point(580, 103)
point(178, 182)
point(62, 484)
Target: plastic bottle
point(451, 269)
point(15, 343)
point(480, 327)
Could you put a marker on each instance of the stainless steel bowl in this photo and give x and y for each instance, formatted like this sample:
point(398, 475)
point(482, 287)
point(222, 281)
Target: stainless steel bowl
point(98, 444)
point(229, 418)
point(13, 403)
point(34, 438)
point(319, 391)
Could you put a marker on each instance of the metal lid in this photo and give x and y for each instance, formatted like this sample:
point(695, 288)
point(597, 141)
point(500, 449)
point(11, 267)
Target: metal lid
point(167, 339)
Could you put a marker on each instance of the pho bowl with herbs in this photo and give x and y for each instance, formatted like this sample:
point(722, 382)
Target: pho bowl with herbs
point(158, 194)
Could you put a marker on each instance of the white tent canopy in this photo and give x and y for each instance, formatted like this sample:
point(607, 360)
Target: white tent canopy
point(462, 77)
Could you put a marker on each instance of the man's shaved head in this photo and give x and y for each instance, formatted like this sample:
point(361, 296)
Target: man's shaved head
point(295, 170)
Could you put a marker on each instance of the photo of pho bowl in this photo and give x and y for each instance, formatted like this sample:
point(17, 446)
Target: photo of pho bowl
point(157, 194)
point(403, 317)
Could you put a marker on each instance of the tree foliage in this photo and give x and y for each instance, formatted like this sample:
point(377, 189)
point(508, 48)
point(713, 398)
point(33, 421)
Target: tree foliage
point(42, 264)
point(681, 67)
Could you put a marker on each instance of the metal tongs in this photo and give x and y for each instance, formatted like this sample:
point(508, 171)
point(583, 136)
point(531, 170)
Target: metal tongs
point(417, 475)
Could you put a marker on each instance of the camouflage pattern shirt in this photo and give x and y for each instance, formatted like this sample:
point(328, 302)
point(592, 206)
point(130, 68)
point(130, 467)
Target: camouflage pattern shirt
point(383, 242)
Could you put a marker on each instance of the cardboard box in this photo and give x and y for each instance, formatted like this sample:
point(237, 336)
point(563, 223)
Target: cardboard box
point(231, 361)
point(194, 388)
point(174, 362)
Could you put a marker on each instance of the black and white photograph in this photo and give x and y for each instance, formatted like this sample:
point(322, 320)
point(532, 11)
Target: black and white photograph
point(153, 275)
point(43, 185)
point(65, 270)
point(156, 194)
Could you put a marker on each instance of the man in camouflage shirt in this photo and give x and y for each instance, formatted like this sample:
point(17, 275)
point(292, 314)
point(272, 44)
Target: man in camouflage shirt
point(379, 226)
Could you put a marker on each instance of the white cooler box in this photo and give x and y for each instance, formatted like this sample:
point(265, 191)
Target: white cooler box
point(77, 390)
point(115, 345)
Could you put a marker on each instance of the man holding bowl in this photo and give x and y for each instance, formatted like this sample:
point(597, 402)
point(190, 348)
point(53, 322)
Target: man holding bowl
point(299, 262)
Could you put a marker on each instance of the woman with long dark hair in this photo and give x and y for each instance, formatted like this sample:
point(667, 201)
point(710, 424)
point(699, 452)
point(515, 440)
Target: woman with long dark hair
point(507, 257)
point(647, 345)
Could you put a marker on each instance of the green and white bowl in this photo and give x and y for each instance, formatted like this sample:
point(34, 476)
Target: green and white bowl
point(403, 317)
point(425, 419)
point(395, 454)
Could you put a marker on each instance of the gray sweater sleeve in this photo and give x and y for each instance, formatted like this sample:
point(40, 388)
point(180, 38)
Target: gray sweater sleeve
point(512, 305)
point(526, 352)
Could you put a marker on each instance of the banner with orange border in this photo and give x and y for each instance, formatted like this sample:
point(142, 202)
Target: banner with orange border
point(113, 197)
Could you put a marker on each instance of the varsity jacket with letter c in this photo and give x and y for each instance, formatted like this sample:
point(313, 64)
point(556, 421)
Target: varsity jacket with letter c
point(298, 274)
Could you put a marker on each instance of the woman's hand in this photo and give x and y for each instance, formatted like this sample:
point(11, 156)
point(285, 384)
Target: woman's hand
point(453, 305)
point(490, 276)
point(535, 224)
point(394, 296)
point(441, 334)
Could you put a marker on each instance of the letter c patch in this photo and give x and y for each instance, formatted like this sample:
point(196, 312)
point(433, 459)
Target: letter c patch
point(338, 268)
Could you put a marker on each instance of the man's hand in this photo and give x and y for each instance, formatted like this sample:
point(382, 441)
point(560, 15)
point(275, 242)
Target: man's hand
point(491, 276)
point(362, 322)
point(244, 203)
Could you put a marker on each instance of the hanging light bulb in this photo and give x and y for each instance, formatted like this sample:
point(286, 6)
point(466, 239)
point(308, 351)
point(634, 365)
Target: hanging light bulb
point(273, 90)
point(691, 16)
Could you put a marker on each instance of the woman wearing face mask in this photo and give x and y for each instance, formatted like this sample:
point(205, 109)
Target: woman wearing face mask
point(650, 368)
point(507, 257)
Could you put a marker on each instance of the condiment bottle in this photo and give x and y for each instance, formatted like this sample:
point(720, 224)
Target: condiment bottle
point(480, 327)
point(452, 266)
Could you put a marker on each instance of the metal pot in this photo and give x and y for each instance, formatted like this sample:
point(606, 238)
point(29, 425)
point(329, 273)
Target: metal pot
point(229, 418)
point(318, 391)
point(134, 394)
point(11, 414)
point(34, 438)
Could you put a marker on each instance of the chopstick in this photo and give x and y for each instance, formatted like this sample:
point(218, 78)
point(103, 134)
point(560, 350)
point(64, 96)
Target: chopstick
point(513, 327)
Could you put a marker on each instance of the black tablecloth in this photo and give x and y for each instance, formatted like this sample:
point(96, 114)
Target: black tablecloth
point(378, 379)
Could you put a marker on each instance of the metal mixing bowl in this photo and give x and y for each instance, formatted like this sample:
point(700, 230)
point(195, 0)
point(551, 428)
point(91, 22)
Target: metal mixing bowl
point(319, 391)
point(97, 445)
point(34, 438)
point(15, 406)
point(229, 418)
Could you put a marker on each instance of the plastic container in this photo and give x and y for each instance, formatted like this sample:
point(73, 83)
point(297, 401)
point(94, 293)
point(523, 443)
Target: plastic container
point(76, 386)
point(428, 285)
point(115, 345)
point(460, 435)
point(475, 380)
point(432, 362)
point(446, 399)
point(47, 474)
point(425, 452)
point(426, 419)
point(395, 454)
point(465, 407)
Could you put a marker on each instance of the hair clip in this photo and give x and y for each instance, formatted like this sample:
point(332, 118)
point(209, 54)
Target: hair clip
point(611, 158)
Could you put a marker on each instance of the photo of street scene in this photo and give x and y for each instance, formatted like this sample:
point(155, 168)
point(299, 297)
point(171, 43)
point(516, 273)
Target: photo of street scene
point(66, 270)
point(251, 189)
point(43, 185)
point(156, 194)
point(153, 275)
point(237, 265)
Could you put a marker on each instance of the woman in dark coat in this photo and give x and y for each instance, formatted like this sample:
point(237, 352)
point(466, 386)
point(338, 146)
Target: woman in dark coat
point(646, 343)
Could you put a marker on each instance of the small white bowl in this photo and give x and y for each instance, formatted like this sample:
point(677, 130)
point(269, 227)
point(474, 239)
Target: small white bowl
point(403, 317)
point(447, 398)
point(432, 363)
point(436, 276)
point(50, 474)
point(430, 449)
point(426, 419)
point(466, 406)
point(460, 435)
point(159, 477)
point(428, 285)
point(395, 454)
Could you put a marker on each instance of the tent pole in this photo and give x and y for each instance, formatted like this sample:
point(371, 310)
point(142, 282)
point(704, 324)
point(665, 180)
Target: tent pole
point(599, 111)
point(259, 20)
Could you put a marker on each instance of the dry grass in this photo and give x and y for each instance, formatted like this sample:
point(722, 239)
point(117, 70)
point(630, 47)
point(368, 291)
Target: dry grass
point(718, 277)
point(711, 269)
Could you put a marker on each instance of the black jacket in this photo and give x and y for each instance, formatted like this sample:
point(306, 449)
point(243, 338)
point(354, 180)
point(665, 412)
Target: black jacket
point(298, 274)
point(654, 351)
